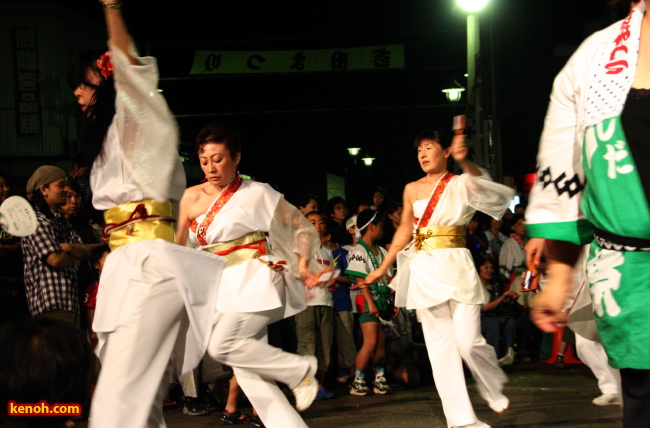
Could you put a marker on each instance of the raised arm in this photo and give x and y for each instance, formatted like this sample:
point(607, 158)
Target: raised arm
point(118, 35)
point(459, 152)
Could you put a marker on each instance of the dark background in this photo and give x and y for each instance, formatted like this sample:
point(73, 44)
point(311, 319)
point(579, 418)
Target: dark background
point(296, 127)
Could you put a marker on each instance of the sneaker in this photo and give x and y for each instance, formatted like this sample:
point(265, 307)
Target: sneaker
point(508, 359)
point(256, 421)
point(324, 394)
point(559, 363)
point(235, 418)
point(342, 379)
point(477, 424)
point(359, 388)
point(607, 400)
point(307, 389)
point(381, 387)
point(194, 407)
point(499, 406)
point(208, 399)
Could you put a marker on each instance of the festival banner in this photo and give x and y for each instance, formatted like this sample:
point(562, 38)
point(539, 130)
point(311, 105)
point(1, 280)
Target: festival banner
point(315, 60)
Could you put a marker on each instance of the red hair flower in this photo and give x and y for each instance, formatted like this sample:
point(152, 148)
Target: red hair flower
point(105, 64)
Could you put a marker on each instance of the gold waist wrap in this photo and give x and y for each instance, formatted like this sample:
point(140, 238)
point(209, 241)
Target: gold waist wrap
point(437, 237)
point(142, 228)
point(240, 250)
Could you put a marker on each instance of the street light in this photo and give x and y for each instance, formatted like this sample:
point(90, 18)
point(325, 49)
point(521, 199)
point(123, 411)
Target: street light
point(354, 150)
point(473, 40)
point(472, 5)
point(454, 91)
point(367, 161)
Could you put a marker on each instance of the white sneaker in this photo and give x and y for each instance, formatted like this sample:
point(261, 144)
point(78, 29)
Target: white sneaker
point(477, 424)
point(307, 389)
point(508, 359)
point(607, 400)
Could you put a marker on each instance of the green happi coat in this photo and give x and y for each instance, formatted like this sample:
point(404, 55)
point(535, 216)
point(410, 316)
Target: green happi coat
point(588, 182)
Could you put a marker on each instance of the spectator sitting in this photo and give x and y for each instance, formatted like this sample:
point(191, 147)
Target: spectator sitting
point(512, 259)
point(476, 242)
point(496, 321)
point(495, 239)
point(42, 360)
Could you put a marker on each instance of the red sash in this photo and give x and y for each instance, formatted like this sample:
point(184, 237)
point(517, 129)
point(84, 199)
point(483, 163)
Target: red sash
point(223, 198)
point(433, 202)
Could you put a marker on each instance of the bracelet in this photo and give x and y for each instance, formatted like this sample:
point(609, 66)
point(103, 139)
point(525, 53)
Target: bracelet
point(115, 4)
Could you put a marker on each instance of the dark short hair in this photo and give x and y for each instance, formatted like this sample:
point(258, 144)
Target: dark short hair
point(303, 200)
point(315, 213)
point(97, 253)
point(219, 132)
point(364, 217)
point(43, 359)
point(516, 217)
point(329, 207)
point(482, 259)
point(441, 137)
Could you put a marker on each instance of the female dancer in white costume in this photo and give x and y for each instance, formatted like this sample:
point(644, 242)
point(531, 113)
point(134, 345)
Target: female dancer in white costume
point(437, 277)
point(149, 304)
point(268, 244)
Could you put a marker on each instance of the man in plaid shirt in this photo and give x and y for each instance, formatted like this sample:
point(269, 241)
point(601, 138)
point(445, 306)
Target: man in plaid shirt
point(52, 254)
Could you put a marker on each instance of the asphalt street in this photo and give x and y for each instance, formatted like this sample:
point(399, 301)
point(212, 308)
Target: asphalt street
point(540, 396)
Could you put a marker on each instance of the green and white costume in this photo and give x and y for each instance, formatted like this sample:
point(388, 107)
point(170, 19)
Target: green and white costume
point(588, 183)
point(362, 261)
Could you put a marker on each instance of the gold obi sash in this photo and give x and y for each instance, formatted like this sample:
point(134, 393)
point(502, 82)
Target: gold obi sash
point(437, 237)
point(138, 221)
point(240, 250)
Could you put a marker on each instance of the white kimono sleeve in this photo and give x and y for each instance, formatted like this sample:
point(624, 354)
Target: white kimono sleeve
point(486, 196)
point(291, 235)
point(147, 129)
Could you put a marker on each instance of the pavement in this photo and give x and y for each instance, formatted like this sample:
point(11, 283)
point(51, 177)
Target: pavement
point(541, 395)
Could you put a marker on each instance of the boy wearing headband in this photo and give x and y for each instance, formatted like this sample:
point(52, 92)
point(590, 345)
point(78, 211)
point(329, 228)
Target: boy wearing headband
point(374, 302)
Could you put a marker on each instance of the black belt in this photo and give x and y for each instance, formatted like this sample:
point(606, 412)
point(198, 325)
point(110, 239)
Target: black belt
point(610, 241)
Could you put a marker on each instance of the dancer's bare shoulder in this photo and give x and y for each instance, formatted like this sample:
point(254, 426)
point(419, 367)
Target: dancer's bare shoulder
point(196, 199)
point(419, 189)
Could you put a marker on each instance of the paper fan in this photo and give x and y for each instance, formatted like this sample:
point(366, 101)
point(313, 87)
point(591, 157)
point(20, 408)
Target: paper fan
point(17, 216)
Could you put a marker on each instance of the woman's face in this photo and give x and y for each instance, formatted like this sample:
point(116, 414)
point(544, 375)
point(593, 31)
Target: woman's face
point(495, 224)
point(472, 225)
point(432, 157)
point(86, 94)
point(486, 271)
point(4, 189)
point(217, 164)
point(378, 199)
point(312, 205)
point(72, 203)
point(396, 217)
point(519, 228)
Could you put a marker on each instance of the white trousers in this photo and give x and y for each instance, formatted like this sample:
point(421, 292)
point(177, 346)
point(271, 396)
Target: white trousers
point(452, 333)
point(239, 341)
point(593, 355)
point(136, 356)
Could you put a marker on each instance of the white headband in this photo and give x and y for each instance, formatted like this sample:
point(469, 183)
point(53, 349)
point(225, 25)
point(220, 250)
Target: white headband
point(358, 231)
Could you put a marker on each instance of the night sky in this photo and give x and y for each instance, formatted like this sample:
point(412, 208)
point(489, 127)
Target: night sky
point(296, 126)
